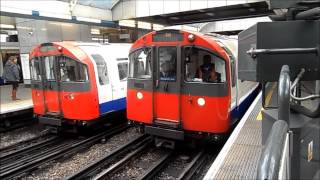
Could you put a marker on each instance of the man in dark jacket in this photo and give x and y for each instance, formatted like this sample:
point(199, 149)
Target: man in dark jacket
point(11, 74)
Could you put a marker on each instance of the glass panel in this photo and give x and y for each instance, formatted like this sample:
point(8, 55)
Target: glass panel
point(203, 66)
point(49, 66)
point(35, 69)
point(123, 70)
point(167, 63)
point(72, 71)
point(140, 64)
point(102, 69)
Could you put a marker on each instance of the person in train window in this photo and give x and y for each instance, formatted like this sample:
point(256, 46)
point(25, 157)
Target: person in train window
point(12, 75)
point(208, 72)
point(167, 66)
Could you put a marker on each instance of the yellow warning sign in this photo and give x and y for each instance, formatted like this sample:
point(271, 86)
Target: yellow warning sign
point(259, 117)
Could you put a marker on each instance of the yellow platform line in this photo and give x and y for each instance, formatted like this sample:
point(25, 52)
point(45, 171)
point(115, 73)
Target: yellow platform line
point(268, 98)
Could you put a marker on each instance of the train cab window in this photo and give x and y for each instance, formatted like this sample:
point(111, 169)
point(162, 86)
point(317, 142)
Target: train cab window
point(72, 71)
point(140, 64)
point(102, 69)
point(167, 63)
point(123, 70)
point(49, 62)
point(35, 69)
point(203, 66)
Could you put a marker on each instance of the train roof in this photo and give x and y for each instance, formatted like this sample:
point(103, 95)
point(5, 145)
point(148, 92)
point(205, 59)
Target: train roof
point(180, 37)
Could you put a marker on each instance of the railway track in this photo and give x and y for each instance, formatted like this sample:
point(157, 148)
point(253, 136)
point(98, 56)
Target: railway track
point(24, 144)
point(18, 163)
point(146, 162)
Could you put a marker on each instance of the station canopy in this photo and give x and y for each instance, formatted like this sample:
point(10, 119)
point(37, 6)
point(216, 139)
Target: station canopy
point(257, 9)
point(102, 4)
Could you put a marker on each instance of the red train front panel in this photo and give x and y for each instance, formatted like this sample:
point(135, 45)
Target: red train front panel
point(166, 87)
point(63, 83)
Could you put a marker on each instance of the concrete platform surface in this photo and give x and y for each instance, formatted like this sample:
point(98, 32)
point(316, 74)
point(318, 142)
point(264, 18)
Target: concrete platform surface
point(8, 106)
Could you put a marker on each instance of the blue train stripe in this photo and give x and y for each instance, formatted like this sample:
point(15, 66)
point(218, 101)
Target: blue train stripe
point(115, 105)
point(239, 111)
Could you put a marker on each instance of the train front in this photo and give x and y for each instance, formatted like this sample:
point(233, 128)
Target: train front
point(179, 85)
point(63, 90)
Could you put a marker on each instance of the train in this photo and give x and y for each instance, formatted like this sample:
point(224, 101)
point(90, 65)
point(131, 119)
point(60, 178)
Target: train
point(184, 84)
point(77, 84)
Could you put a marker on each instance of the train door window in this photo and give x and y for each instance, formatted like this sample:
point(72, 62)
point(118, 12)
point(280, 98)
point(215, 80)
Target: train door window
point(167, 63)
point(140, 64)
point(72, 71)
point(123, 70)
point(35, 69)
point(203, 66)
point(102, 69)
point(49, 63)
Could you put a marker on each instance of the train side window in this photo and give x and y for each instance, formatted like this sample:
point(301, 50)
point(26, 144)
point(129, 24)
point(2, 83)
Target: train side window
point(35, 69)
point(203, 66)
point(140, 64)
point(73, 71)
point(49, 63)
point(102, 69)
point(123, 70)
point(167, 63)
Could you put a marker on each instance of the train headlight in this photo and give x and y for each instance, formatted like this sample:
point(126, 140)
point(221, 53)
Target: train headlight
point(139, 95)
point(71, 96)
point(191, 37)
point(201, 102)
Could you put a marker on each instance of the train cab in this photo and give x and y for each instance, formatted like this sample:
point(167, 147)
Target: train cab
point(180, 84)
point(76, 84)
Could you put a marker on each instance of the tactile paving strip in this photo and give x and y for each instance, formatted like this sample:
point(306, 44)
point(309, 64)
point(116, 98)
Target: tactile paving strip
point(242, 159)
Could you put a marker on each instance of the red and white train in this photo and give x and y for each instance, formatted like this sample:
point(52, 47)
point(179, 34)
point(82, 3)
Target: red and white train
point(75, 84)
point(184, 84)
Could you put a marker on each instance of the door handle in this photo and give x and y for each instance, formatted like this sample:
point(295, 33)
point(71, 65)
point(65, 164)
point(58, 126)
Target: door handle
point(157, 84)
point(166, 87)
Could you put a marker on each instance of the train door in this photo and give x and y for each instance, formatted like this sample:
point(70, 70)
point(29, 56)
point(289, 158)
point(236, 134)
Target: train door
point(104, 84)
point(167, 76)
point(51, 85)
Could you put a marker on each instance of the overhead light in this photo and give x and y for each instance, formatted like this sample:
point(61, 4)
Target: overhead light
point(144, 25)
point(7, 26)
point(61, 24)
point(95, 31)
point(54, 15)
point(157, 27)
point(85, 19)
point(127, 23)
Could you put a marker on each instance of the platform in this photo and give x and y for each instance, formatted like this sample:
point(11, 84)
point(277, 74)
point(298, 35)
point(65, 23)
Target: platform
point(240, 155)
point(9, 106)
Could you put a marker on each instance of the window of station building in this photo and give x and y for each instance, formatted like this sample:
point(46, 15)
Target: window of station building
point(123, 70)
point(140, 64)
point(49, 63)
point(167, 63)
point(35, 69)
point(203, 67)
point(102, 69)
point(72, 71)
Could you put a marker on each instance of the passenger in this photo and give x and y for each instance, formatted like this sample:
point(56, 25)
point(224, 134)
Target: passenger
point(11, 74)
point(208, 72)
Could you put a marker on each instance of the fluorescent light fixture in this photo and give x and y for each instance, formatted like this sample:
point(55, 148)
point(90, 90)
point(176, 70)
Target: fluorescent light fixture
point(6, 26)
point(157, 27)
point(95, 31)
point(88, 19)
point(54, 15)
point(61, 24)
point(15, 10)
point(144, 25)
point(127, 23)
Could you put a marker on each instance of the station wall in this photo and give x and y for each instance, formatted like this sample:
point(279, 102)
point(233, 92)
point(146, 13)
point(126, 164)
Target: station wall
point(34, 32)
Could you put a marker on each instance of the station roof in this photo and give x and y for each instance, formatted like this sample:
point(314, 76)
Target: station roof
point(102, 4)
point(210, 14)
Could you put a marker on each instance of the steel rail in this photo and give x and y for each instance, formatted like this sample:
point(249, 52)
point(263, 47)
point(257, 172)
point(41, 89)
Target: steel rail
point(117, 166)
point(157, 167)
point(194, 165)
point(88, 171)
point(58, 153)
